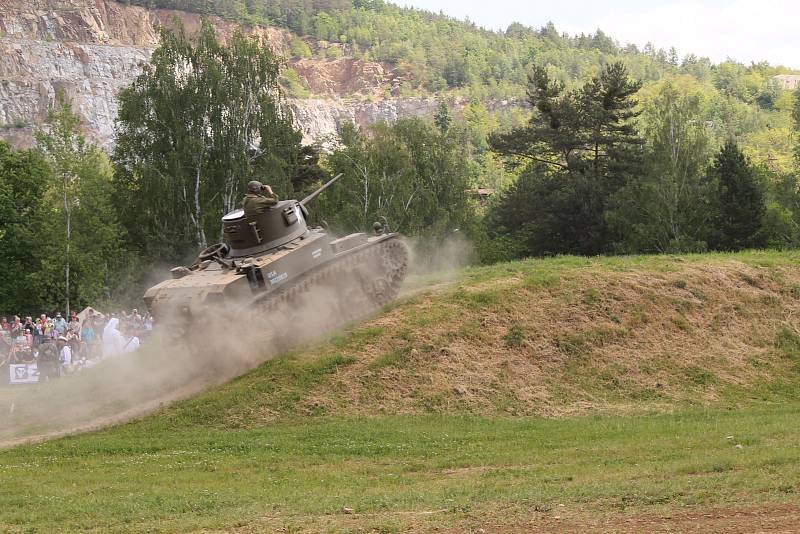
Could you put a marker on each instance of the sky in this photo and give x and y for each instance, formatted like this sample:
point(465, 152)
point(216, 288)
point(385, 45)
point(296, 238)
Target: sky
point(744, 30)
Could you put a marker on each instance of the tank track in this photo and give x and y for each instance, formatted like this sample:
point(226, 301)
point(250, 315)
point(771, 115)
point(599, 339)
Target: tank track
point(366, 280)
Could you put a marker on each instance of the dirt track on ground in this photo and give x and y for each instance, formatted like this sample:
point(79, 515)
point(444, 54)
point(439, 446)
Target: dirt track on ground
point(776, 518)
point(773, 519)
point(100, 423)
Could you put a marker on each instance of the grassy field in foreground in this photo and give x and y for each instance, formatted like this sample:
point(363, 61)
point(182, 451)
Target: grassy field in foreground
point(145, 476)
point(583, 386)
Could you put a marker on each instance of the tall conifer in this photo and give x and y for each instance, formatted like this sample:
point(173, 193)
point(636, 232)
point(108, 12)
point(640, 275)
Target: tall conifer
point(741, 200)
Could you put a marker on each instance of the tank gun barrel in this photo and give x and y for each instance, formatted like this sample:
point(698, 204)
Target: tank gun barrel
point(316, 193)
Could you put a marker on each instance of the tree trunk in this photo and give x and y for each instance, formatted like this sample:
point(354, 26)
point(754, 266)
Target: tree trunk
point(68, 215)
point(198, 212)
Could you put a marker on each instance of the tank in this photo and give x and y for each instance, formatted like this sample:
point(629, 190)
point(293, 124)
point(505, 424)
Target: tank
point(266, 264)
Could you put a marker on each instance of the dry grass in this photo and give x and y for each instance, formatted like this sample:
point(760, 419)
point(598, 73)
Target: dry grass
point(555, 338)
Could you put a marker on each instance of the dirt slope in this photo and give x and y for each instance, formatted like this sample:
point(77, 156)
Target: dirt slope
point(548, 337)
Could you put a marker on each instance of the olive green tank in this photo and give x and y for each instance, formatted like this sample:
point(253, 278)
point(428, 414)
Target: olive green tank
point(275, 259)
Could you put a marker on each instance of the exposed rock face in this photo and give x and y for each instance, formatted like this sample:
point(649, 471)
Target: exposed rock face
point(90, 75)
point(90, 49)
point(341, 76)
point(318, 118)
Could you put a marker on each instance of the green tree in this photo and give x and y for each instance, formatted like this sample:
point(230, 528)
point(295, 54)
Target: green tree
point(410, 173)
point(24, 176)
point(780, 228)
point(579, 146)
point(543, 214)
point(82, 245)
point(442, 118)
point(669, 207)
point(299, 48)
point(796, 117)
point(741, 199)
point(200, 122)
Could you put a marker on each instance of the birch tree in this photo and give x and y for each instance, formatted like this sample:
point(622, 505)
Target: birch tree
point(671, 207)
point(201, 121)
point(82, 254)
point(411, 173)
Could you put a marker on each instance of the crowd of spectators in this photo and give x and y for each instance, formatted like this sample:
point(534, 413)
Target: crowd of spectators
point(77, 344)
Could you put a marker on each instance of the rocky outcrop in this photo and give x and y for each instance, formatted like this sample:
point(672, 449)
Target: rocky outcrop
point(321, 118)
point(343, 76)
point(90, 49)
point(89, 75)
point(87, 49)
point(113, 23)
point(318, 119)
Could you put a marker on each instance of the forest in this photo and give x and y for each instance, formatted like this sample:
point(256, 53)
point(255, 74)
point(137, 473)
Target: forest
point(436, 54)
point(615, 151)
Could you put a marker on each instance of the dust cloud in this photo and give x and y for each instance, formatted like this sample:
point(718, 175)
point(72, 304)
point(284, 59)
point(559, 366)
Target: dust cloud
point(177, 362)
point(437, 261)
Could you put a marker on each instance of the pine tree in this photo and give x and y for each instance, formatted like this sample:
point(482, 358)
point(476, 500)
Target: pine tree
point(442, 118)
point(579, 148)
point(741, 200)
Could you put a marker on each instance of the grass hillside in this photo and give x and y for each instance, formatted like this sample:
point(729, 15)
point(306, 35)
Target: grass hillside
point(554, 337)
point(414, 420)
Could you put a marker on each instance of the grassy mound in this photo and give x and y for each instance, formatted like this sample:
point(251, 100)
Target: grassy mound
point(563, 336)
point(407, 423)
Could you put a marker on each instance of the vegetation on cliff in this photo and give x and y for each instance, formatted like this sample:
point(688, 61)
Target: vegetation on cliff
point(432, 53)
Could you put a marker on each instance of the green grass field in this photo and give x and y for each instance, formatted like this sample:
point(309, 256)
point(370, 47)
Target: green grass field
point(564, 388)
point(147, 476)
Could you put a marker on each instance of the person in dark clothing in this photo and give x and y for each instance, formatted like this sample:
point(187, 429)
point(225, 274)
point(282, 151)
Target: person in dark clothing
point(259, 198)
point(47, 361)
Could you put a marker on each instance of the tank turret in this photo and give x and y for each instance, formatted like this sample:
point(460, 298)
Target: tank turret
point(278, 225)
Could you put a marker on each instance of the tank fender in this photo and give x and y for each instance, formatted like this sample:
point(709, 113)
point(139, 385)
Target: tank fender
point(346, 243)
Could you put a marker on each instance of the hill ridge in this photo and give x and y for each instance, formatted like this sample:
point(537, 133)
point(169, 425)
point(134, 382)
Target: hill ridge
point(560, 337)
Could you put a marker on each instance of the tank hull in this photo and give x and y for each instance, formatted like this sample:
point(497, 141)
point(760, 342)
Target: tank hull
point(377, 263)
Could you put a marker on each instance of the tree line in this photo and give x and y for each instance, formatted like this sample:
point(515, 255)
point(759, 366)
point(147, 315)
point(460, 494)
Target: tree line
point(600, 174)
point(62, 241)
point(431, 53)
point(604, 167)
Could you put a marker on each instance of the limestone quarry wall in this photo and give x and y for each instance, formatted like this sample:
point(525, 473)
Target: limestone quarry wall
point(90, 49)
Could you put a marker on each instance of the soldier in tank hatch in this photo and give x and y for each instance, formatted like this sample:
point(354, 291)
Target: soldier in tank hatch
point(259, 198)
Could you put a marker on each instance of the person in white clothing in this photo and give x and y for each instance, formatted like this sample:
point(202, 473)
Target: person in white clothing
point(64, 354)
point(113, 342)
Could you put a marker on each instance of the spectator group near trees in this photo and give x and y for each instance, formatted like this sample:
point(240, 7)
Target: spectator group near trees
point(60, 345)
point(604, 163)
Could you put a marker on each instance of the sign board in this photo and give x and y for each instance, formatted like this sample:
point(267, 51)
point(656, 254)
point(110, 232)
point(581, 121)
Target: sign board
point(24, 373)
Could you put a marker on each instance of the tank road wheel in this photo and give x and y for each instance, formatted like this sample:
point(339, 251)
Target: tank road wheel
point(394, 256)
point(344, 291)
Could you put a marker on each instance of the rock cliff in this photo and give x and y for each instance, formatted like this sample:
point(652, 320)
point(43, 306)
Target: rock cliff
point(90, 49)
